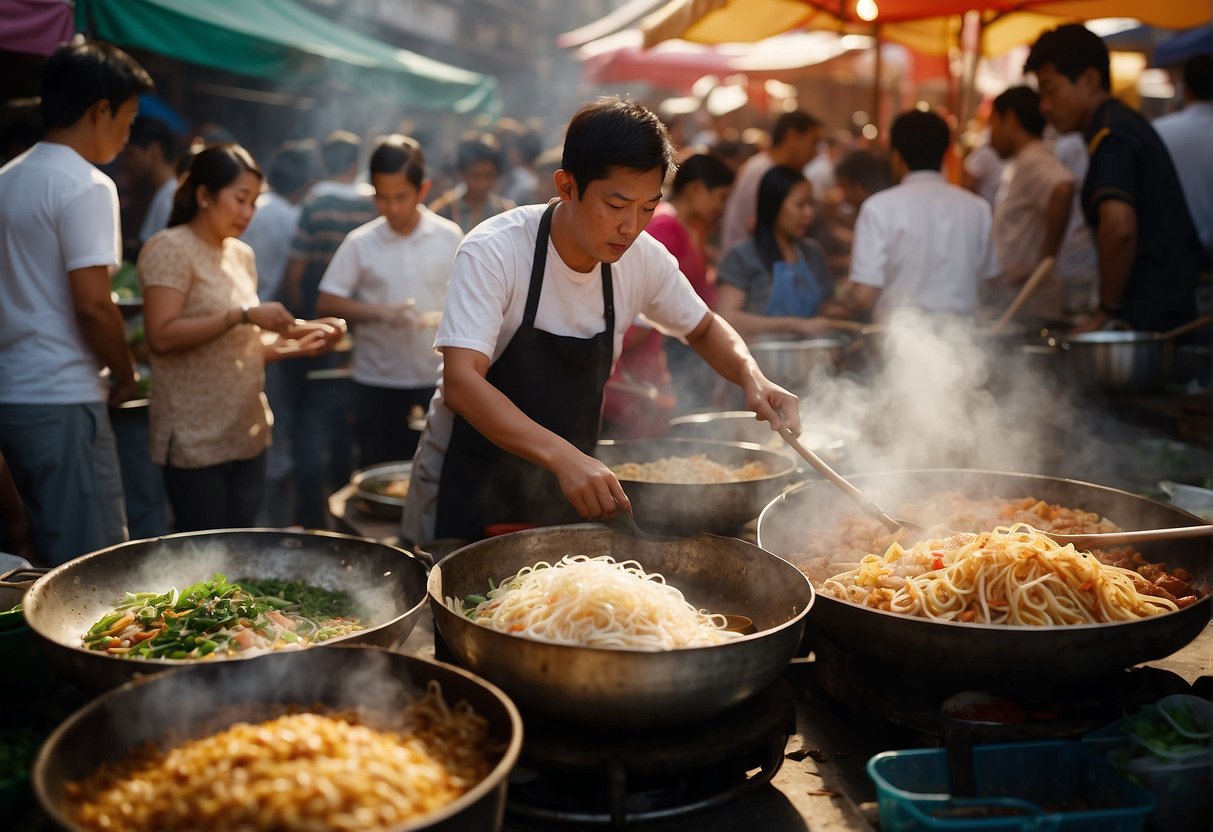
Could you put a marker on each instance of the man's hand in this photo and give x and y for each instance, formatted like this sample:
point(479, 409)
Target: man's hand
point(590, 486)
point(402, 314)
point(124, 390)
point(1096, 322)
point(772, 404)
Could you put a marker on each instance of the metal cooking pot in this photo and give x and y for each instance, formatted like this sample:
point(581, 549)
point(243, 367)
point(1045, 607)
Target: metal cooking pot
point(63, 604)
point(691, 508)
point(790, 363)
point(630, 687)
point(1120, 362)
point(189, 703)
point(368, 489)
point(984, 654)
point(826, 439)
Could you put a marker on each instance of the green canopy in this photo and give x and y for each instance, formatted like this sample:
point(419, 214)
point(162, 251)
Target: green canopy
point(282, 40)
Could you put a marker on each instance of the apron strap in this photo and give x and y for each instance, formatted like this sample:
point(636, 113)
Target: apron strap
point(537, 266)
point(537, 269)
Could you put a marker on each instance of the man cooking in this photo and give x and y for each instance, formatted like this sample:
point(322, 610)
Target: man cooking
point(538, 302)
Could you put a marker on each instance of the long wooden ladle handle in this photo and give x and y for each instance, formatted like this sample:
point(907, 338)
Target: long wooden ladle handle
point(1184, 329)
point(1035, 279)
point(822, 467)
point(1096, 541)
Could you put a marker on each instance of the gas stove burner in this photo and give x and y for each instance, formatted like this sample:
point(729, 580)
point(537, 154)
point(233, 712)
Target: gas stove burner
point(596, 776)
point(1033, 710)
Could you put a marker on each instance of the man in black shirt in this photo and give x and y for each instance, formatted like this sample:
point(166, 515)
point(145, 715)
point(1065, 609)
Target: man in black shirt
point(1149, 253)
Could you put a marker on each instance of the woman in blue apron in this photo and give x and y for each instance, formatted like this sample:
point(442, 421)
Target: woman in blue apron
point(774, 283)
point(537, 299)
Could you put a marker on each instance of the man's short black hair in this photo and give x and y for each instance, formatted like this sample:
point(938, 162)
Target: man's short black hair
point(339, 152)
point(796, 121)
point(1025, 104)
point(1071, 50)
point(399, 154)
point(921, 138)
point(291, 167)
point(77, 76)
point(478, 147)
point(614, 133)
point(146, 131)
point(704, 168)
point(1198, 77)
point(867, 169)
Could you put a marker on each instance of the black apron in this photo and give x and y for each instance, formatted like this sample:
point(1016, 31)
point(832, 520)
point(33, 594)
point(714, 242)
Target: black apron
point(557, 381)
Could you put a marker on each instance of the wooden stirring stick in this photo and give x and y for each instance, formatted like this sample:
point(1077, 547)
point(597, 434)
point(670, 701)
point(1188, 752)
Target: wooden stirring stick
point(1035, 279)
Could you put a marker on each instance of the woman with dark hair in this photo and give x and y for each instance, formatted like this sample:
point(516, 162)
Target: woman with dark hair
point(210, 424)
point(538, 303)
point(773, 283)
point(389, 279)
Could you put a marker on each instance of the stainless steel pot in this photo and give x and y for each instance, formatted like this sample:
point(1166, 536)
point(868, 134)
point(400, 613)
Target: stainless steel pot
point(190, 703)
point(368, 489)
point(630, 687)
point(791, 363)
point(63, 604)
point(826, 439)
point(992, 656)
point(689, 508)
point(1120, 362)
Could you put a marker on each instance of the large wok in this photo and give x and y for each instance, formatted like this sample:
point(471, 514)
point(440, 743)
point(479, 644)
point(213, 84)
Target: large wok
point(992, 655)
point(629, 687)
point(685, 509)
point(63, 604)
point(197, 701)
point(828, 440)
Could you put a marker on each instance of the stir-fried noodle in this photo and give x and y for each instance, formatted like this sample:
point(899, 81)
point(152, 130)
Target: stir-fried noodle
point(1013, 575)
point(594, 602)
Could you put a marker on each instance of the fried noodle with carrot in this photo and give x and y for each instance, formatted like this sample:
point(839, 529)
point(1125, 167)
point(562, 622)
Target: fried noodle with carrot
point(1013, 575)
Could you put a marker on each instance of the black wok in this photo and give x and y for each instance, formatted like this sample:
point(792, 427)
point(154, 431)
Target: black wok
point(64, 603)
point(197, 701)
point(993, 655)
point(609, 686)
point(691, 508)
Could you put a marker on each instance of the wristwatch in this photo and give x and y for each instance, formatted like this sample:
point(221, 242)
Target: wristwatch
point(244, 318)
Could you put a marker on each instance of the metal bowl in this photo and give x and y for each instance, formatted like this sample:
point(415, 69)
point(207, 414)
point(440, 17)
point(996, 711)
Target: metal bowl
point(826, 439)
point(690, 508)
point(197, 701)
point(63, 604)
point(791, 364)
point(630, 687)
point(1120, 362)
point(992, 656)
point(369, 484)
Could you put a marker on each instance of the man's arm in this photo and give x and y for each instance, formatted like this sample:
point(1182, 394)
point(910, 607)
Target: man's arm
point(587, 483)
point(858, 298)
point(359, 312)
point(1057, 218)
point(1116, 245)
point(719, 344)
point(101, 326)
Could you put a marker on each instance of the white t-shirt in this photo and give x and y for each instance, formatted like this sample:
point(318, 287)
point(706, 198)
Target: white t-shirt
point(924, 243)
point(984, 165)
point(486, 301)
point(58, 213)
point(376, 265)
point(158, 210)
point(269, 235)
point(1188, 135)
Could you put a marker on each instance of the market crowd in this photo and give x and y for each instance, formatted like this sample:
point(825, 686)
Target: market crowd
point(331, 307)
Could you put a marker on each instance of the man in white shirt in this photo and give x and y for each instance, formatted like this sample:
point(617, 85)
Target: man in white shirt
point(922, 243)
point(1188, 135)
point(1077, 266)
point(1032, 213)
point(793, 144)
point(58, 326)
point(389, 279)
point(149, 157)
point(536, 310)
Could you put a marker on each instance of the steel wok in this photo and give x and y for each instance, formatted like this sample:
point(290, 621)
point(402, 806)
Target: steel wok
point(993, 655)
point(690, 508)
point(194, 702)
point(630, 687)
point(64, 603)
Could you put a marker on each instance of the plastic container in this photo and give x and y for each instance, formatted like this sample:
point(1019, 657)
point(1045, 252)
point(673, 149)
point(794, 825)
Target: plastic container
point(1056, 785)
